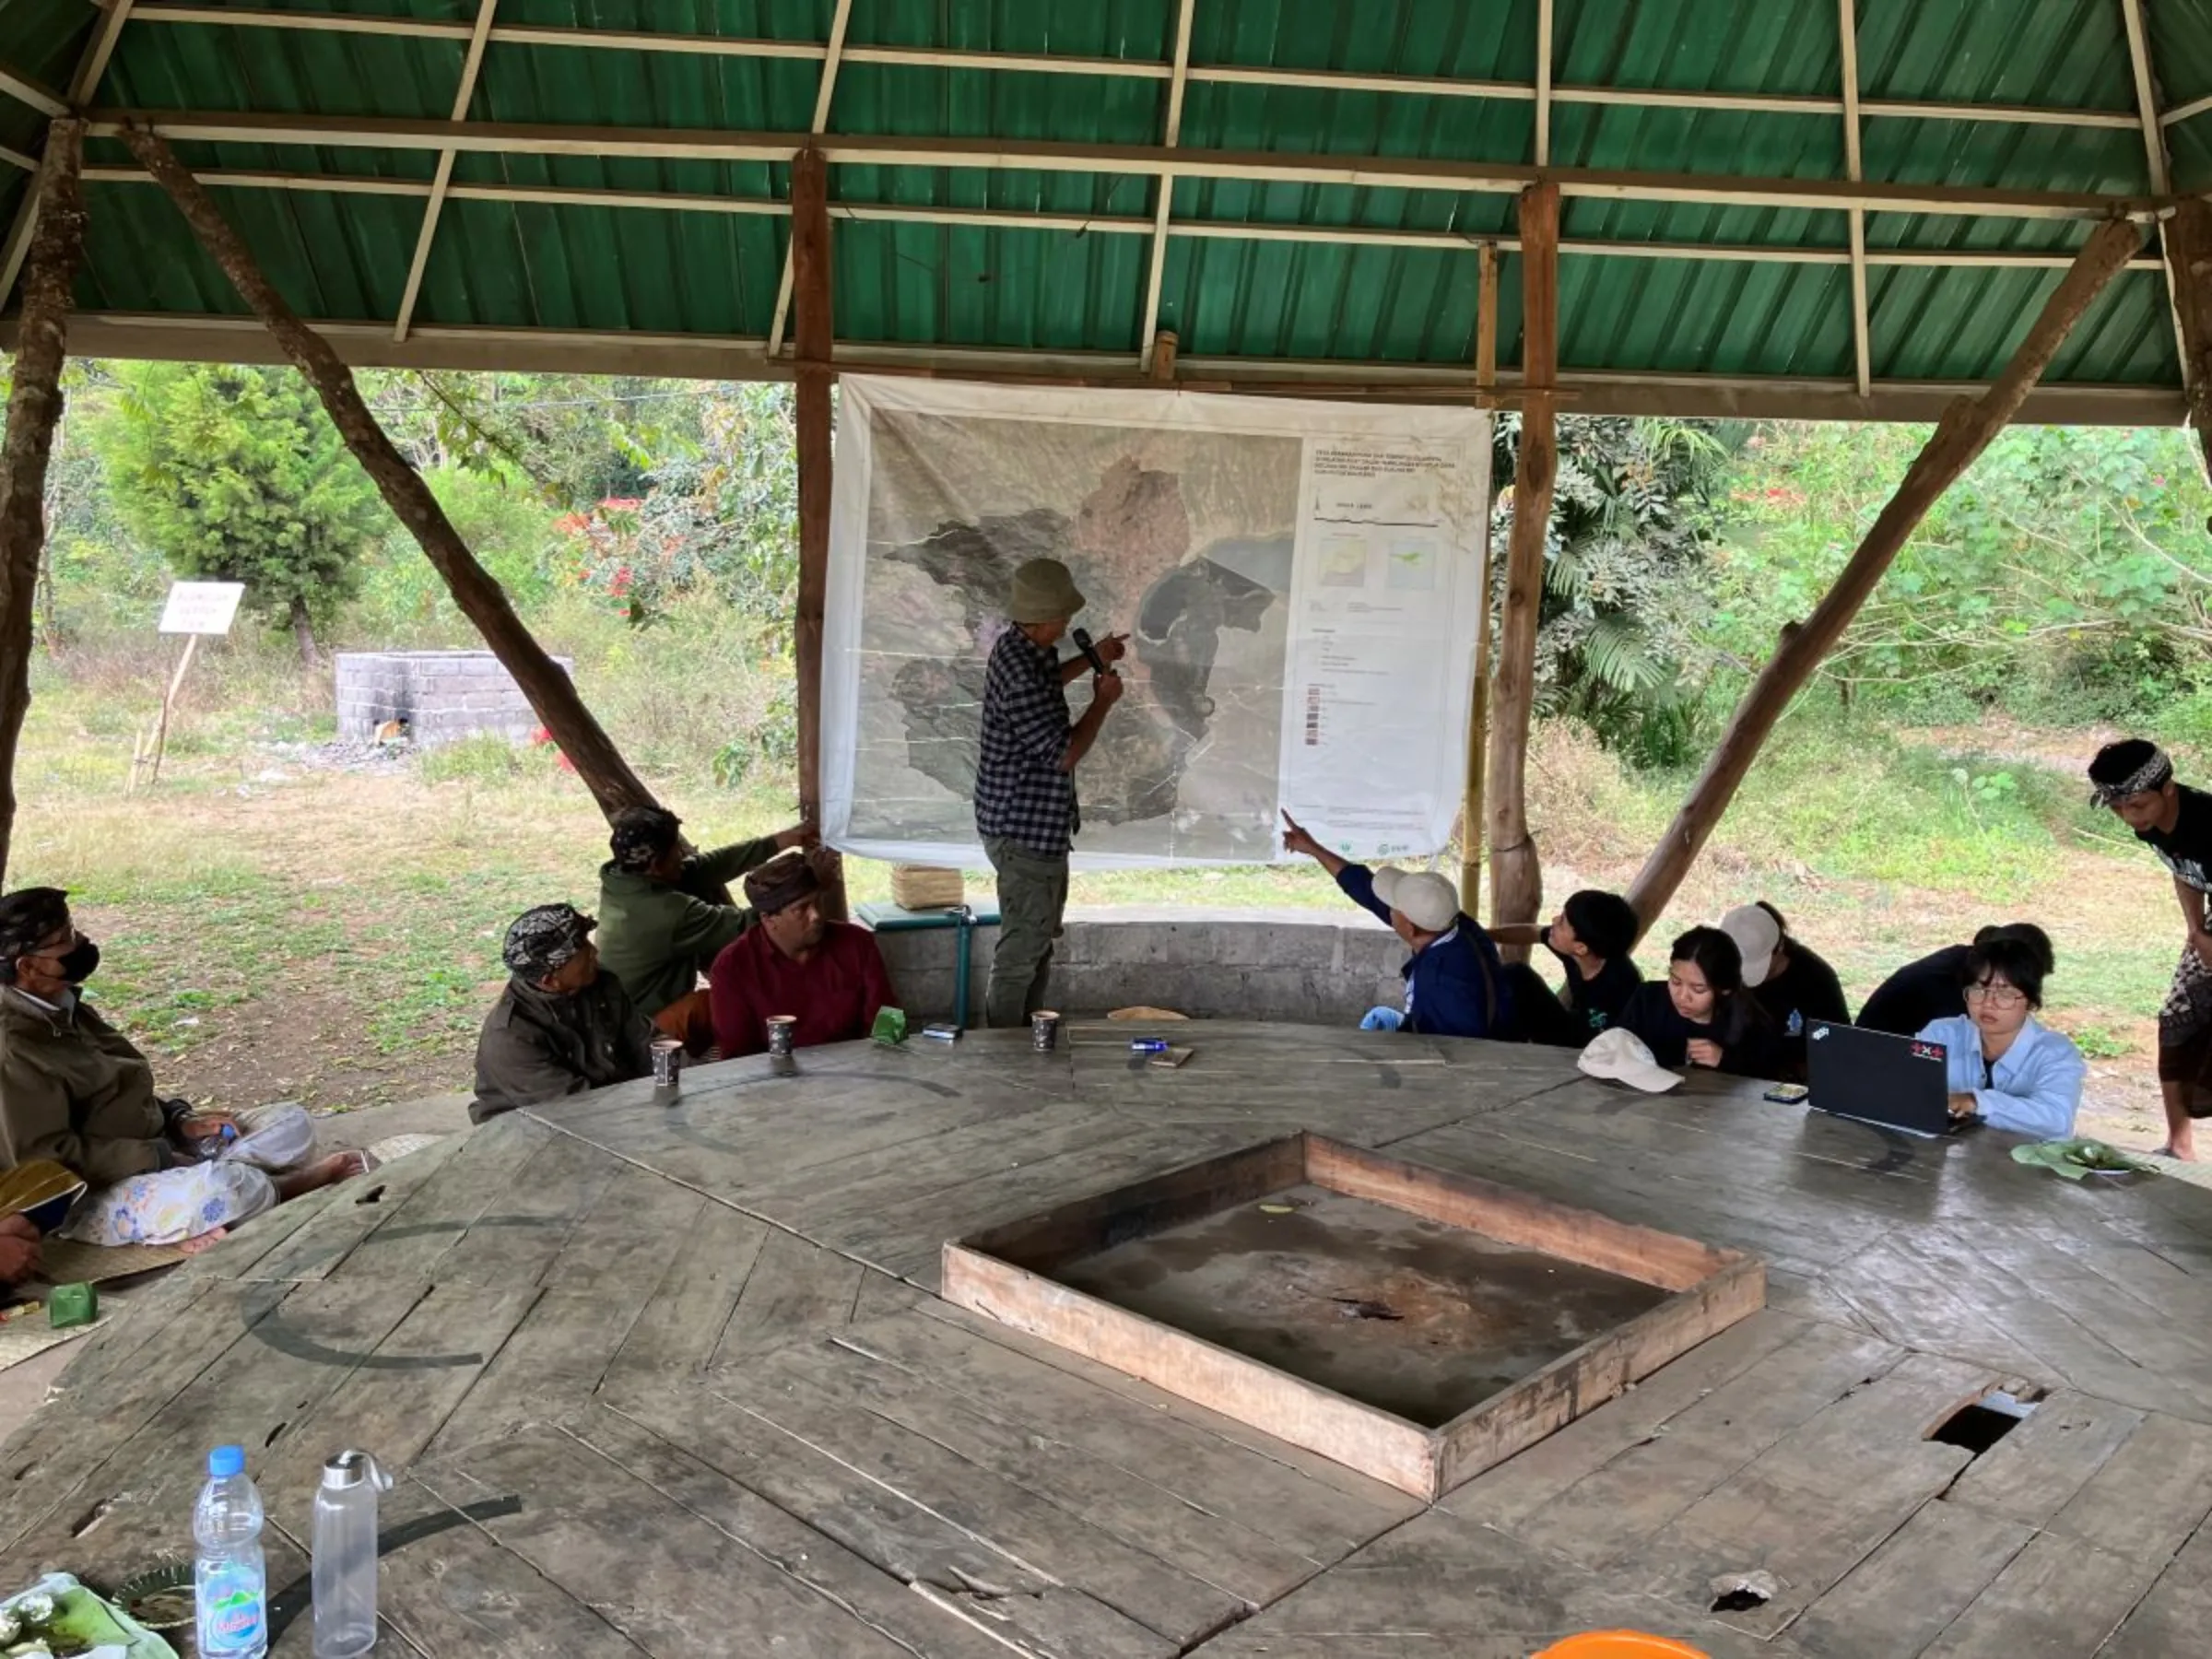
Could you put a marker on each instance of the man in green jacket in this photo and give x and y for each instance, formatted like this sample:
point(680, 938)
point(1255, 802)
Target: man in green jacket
point(561, 1025)
point(663, 921)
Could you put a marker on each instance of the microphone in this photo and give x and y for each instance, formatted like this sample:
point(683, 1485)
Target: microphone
point(1098, 663)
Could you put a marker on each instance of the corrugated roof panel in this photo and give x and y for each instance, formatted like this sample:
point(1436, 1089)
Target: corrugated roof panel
point(343, 257)
point(1698, 141)
point(2181, 39)
point(1011, 190)
point(1430, 38)
point(2190, 142)
point(958, 285)
point(1139, 30)
point(1952, 324)
point(521, 265)
point(528, 84)
point(1321, 299)
point(2064, 53)
point(1768, 46)
point(733, 19)
point(1700, 316)
point(43, 40)
point(975, 103)
point(287, 71)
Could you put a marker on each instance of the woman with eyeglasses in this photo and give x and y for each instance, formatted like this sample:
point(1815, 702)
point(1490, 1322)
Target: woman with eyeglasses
point(2007, 1066)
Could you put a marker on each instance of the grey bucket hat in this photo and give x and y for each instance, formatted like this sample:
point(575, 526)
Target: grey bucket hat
point(1043, 592)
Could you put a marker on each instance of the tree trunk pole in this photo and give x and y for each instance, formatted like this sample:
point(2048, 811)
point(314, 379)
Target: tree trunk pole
point(34, 407)
point(1516, 877)
point(1471, 815)
point(2188, 238)
point(481, 598)
point(812, 340)
point(1963, 434)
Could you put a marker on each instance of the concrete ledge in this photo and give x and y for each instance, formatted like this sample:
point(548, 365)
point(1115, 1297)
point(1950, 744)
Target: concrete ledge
point(1321, 967)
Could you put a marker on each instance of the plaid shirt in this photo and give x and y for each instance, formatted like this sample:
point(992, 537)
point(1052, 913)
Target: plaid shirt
point(1020, 791)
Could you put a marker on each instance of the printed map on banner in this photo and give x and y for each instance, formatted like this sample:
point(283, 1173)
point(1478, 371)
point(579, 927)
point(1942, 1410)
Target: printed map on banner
point(1227, 537)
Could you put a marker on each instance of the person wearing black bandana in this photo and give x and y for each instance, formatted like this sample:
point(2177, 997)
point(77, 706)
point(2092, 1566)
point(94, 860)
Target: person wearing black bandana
point(2135, 780)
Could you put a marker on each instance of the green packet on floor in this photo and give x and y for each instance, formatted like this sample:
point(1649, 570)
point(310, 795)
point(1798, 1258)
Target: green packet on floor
point(2079, 1157)
point(890, 1026)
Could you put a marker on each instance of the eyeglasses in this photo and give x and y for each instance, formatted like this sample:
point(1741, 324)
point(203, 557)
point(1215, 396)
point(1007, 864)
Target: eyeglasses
point(1996, 996)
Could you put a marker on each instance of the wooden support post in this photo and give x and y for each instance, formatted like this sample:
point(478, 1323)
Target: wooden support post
point(1163, 356)
point(2188, 237)
point(168, 707)
point(1963, 434)
point(813, 338)
point(481, 599)
point(1516, 878)
point(1479, 700)
point(34, 407)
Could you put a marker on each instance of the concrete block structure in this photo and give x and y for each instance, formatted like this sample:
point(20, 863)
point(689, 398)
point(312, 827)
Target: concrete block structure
point(1318, 967)
point(441, 694)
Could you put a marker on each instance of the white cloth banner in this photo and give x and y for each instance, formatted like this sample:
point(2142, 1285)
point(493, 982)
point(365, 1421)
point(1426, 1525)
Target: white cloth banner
point(1298, 581)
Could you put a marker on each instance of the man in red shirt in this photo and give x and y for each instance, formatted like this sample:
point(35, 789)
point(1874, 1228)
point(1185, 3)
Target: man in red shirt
point(828, 976)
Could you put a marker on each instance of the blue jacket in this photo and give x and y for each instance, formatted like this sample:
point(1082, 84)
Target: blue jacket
point(1456, 987)
point(2038, 1084)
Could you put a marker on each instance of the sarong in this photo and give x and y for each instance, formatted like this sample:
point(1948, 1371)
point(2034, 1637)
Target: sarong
point(2185, 1034)
point(231, 1185)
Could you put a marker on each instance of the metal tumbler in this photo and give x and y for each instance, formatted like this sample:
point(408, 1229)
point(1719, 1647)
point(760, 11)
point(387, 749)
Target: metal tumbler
point(780, 1029)
point(1044, 1030)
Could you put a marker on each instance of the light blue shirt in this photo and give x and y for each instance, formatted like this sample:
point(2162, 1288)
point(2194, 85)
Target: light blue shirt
point(2038, 1083)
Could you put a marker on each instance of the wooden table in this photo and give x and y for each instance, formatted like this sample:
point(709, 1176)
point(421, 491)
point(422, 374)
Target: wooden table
point(672, 1381)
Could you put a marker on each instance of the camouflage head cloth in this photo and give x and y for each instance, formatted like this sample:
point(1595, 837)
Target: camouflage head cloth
point(642, 837)
point(543, 940)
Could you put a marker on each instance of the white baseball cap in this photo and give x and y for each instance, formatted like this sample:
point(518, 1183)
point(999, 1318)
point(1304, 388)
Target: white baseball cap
point(1757, 938)
point(1621, 1056)
point(1425, 899)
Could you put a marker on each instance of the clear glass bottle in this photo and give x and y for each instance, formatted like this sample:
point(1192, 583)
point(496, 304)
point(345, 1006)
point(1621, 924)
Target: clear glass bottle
point(345, 1555)
point(229, 1574)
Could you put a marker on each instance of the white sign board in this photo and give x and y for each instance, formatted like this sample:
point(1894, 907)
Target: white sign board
point(201, 607)
point(1298, 581)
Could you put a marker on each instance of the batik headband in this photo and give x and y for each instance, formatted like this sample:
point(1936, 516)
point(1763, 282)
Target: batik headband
point(2152, 774)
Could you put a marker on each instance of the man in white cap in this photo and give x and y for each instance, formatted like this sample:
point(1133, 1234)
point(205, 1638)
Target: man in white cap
point(1025, 785)
point(1456, 987)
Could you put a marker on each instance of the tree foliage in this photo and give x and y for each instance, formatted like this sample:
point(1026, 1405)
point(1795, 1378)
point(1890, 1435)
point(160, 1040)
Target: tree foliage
point(2067, 576)
point(236, 474)
point(1626, 587)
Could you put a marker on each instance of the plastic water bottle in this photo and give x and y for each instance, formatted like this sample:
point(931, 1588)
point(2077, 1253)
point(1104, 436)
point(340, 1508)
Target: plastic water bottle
point(230, 1577)
point(344, 1552)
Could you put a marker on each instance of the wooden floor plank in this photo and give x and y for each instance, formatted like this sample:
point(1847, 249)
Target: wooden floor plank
point(1506, 1495)
point(451, 1588)
point(669, 1580)
point(796, 1293)
point(2057, 1596)
point(1159, 1594)
point(349, 1213)
point(1212, 1474)
point(1151, 1515)
point(477, 1180)
point(2034, 1471)
point(520, 1240)
point(2173, 1617)
point(865, 1515)
point(2149, 1496)
point(1903, 1595)
point(1613, 1513)
point(1449, 1585)
point(1819, 1501)
point(547, 1372)
point(925, 1626)
point(689, 1301)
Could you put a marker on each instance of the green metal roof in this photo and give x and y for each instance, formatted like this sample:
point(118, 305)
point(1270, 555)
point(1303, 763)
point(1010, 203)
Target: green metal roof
point(1337, 163)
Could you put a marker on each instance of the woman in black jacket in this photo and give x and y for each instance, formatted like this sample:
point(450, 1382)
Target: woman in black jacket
point(1703, 1015)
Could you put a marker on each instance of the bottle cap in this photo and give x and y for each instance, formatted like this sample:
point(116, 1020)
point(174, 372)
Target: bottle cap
point(227, 1461)
point(349, 1468)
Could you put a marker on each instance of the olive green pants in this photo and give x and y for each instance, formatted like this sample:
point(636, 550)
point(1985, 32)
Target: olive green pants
point(1032, 892)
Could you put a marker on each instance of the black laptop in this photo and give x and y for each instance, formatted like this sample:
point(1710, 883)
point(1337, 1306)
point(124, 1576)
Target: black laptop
point(1892, 1082)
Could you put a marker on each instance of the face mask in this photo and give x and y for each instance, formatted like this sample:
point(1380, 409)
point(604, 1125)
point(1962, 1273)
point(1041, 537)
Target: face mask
point(80, 963)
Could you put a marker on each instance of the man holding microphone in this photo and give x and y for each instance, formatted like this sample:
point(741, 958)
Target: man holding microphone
point(1025, 787)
